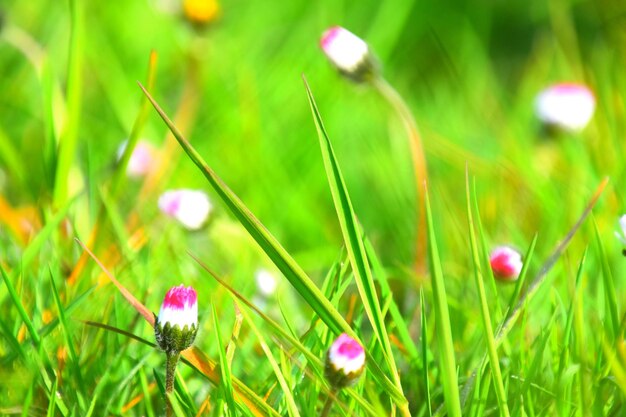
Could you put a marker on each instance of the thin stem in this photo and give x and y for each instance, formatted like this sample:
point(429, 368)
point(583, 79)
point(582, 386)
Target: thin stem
point(170, 373)
point(419, 163)
point(329, 403)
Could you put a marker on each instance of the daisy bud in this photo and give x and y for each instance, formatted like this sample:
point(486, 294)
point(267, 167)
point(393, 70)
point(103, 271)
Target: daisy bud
point(506, 263)
point(349, 53)
point(190, 207)
point(140, 160)
point(345, 362)
point(177, 323)
point(565, 107)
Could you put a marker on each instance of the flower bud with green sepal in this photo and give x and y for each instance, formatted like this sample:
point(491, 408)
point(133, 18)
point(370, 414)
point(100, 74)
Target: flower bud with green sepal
point(176, 325)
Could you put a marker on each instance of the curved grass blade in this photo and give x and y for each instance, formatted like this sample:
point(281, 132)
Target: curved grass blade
point(281, 258)
point(350, 230)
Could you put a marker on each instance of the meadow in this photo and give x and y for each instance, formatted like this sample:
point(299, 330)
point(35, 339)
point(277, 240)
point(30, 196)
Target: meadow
point(367, 207)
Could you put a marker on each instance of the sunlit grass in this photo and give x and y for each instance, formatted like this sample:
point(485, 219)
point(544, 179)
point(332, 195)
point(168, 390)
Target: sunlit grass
point(315, 184)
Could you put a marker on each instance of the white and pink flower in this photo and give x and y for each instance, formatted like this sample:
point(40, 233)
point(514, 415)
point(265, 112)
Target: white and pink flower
point(506, 263)
point(345, 361)
point(565, 106)
point(141, 160)
point(180, 307)
point(190, 207)
point(349, 53)
point(177, 323)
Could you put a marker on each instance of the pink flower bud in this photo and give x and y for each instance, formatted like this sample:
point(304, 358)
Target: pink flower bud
point(141, 160)
point(345, 361)
point(566, 106)
point(349, 53)
point(190, 207)
point(506, 263)
point(177, 323)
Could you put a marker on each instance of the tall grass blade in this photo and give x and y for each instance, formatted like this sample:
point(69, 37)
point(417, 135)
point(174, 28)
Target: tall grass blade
point(283, 261)
point(227, 385)
point(494, 361)
point(443, 330)
point(610, 305)
point(353, 242)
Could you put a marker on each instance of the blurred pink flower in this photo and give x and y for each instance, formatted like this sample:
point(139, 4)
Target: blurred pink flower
point(506, 263)
point(345, 361)
point(566, 106)
point(349, 53)
point(141, 160)
point(190, 207)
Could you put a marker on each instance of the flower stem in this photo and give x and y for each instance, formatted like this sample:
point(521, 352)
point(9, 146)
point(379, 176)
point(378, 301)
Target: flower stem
point(329, 403)
point(170, 373)
point(419, 163)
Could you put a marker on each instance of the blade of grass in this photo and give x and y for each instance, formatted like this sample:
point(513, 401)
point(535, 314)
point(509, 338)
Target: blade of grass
point(610, 306)
point(226, 385)
point(354, 245)
point(424, 343)
point(442, 319)
point(494, 361)
point(193, 356)
point(69, 136)
point(281, 258)
point(286, 336)
point(512, 317)
point(292, 409)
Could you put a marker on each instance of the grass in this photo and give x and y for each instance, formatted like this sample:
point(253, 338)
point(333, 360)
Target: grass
point(317, 184)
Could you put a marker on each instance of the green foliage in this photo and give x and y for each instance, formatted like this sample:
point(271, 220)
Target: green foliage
point(336, 229)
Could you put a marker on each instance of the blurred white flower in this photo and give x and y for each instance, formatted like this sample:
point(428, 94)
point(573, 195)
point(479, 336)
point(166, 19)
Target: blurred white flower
point(621, 234)
point(190, 207)
point(566, 106)
point(141, 159)
point(349, 53)
point(265, 282)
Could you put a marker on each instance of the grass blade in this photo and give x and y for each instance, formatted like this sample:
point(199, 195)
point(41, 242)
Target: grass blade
point(353, 242)
point(281, 258)
point(442, 320)
point(494, 361)
point(227, 386)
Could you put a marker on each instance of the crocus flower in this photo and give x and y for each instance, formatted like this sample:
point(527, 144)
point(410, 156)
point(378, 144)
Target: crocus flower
point(506, 263)
point(345, 362)
point(177, 323)
point(621, 234)
point(348, 53)
point(190, 207)
point(566, 106)
point(141, 160)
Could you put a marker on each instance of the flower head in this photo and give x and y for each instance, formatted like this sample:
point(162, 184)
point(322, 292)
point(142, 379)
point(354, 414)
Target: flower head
point(506, 263)
point(349, 53)
point(177, 323)
point(141, 160)
point(565, 106)
point(345, 361)
point(190, 207)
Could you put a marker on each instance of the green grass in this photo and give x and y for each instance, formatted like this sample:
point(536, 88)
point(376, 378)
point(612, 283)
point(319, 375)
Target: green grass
point(314, 182)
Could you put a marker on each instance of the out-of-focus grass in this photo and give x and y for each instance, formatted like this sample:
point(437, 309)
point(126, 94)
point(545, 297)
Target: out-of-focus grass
point(468, 71)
